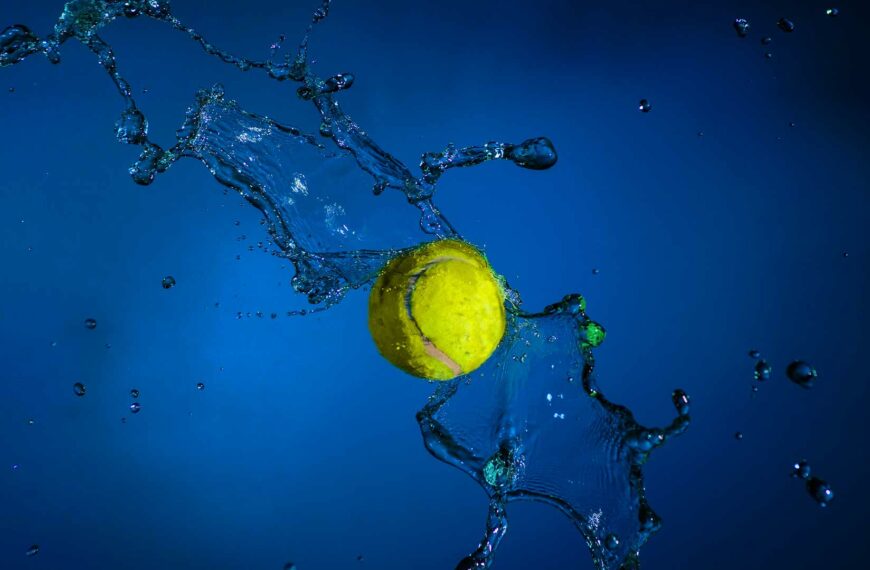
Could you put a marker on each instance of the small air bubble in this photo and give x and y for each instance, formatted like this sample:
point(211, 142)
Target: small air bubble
point(754, 354)
point(644, 106)
point(91, 324)
point(785, 25)
point(200, 386)
point(766, 40)
point(738, 435)
point(832, 12)
point(134, 393)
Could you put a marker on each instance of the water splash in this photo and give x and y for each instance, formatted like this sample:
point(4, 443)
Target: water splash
point(580, 453)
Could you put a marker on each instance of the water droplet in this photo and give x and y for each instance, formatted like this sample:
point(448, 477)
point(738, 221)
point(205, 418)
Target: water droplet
point(820, 491)
point(79, 389)
point(12, 90)
point(768, 55)
point(91, 323)
point(168, 282)
point(801, 373)
point(754, 354)
point(801, 470)
point(595, 271)
point(611, 542)
point(792, 124)
point(845, 254)
point(135, 407)
point(755, 389)
point(134, 393)
point(289, 566)
point(200, 386)
point(593, 334)
point(681, 402)
point(766, 40)
point(535, 154)
point(33, 550)
point(131, 128)
point(738, 435)
point(785, 25)
point(31, 421)
point(644, 106)
point(762, 370)
point(832, 12)
point(741, 26)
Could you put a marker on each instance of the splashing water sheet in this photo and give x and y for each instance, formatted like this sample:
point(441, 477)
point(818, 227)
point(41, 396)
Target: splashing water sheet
point(531, 424)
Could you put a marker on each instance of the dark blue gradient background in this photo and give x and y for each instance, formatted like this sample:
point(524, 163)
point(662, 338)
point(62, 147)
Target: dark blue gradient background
point(303, 445)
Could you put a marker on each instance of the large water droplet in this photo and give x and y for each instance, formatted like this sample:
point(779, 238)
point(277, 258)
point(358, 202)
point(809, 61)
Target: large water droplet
point(131, 128)
point(820, 491)
point(135, 407)
point(79, 389)
point(534, 154)
point(801, 373)
point(762, 370)
point(91, 323)
point(741, 26)
point(168, 282)
point(801, 470)
point(681, 402)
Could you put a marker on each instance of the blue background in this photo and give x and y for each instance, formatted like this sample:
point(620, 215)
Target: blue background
point(303, 445)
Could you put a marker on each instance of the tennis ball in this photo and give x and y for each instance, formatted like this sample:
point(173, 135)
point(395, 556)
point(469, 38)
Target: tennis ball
point(437, 311)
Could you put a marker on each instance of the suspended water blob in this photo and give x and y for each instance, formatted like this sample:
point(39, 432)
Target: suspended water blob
point(801, 373)
point(738, 435)
point(135, 407)
point(754, 354)
point(200, 386)
point(785, 25)
point(90, 324)
point(644, 106)
point(766, 40)
point(762, 370)
point(741, 26)
point(817, 488)
point(79, 389)
point(168, 282)
point(134, 393)
point(832, 12)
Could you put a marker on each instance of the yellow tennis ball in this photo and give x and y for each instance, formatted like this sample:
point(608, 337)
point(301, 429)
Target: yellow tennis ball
point(437, 311)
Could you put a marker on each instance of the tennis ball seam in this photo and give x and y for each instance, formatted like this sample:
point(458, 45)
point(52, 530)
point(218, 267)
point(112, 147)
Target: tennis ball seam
point(429, 346)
